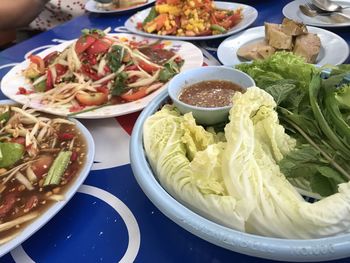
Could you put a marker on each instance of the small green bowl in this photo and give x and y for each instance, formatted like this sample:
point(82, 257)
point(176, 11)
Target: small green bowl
point(206, 116)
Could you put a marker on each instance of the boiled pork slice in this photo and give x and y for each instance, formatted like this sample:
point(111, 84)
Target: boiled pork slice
point(279, 39)
point(268, 28)
point(308, 46)
point(293, 28)
point(257, 50)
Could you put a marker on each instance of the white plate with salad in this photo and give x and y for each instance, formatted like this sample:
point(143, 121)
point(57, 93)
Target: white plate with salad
point(113, 8)
point(330, 44)
point(292, 11)
point(222, 21)
point(99, 75)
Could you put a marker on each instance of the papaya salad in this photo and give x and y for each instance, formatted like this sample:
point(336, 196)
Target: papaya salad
point(98, 70)
point(189, 18)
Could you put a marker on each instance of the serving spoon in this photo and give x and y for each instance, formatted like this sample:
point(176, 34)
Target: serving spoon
point(327, 5)
point(310, 11)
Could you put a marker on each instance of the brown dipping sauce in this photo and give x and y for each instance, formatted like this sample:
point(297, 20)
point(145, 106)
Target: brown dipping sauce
point(210, 94)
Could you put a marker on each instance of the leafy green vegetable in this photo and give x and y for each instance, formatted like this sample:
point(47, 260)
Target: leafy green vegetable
point(119, 86)
point(342, 95)
point(238, 182)
point(115, 57)
point(87, 31)
point(10, 153)
point(171, 68)
point(314, 112)
point(151, 15)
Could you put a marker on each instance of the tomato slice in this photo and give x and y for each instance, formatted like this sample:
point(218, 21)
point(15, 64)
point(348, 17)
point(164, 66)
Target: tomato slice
point(84, 42)
point(20, 140)
point(38, 61)
point(132, 96)
point(103, 89)
point(42, 165)
point(92, 99)
point(60, 69)
point(48, 59)
point(99, 46)
point(147, 67)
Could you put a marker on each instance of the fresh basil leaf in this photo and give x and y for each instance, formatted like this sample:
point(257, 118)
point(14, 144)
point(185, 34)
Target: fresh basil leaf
point(115, 57)
point(119, 86)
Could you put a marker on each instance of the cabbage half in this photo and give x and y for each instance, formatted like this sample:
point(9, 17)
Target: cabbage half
point(234, 179)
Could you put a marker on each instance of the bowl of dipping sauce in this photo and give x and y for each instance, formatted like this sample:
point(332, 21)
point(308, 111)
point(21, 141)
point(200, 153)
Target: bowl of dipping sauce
point(207, 92)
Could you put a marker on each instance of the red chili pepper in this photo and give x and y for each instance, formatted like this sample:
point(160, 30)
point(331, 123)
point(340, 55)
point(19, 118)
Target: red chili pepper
point(74, 156)
point(107, 69)
point(66, 136)
point(23, 91)
point(139, 25)
point(49, 80)
point(131, 67)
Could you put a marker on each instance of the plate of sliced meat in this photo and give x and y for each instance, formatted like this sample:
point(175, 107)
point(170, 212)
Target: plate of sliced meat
point(316, 45)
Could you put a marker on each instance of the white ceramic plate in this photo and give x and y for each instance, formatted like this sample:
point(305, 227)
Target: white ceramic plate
point(40, 221)
point(291, 11)
point(331, 44)
point(14, 78)
point(249, 16)
point(92, 6)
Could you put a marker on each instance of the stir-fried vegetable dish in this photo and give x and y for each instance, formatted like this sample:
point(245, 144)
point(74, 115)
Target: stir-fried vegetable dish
point(98, 70)
point(39, 157)
point(120, 4)
point(189, 18)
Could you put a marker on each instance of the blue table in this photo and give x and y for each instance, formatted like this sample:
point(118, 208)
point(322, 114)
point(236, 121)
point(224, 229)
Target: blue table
point(110, 219)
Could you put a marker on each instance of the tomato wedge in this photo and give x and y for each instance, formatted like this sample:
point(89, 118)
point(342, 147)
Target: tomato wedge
point(149, 68)
point(99, 46)
point(83, 43)
point(132, 96)
point(38, 61)
point(60, 69)
point(92, 99)
point(49, 58)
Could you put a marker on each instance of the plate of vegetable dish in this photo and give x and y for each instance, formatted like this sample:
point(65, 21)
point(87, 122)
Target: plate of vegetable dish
point(192, 20)
point(273, 181)
point(99, 75)
point(43, 161)
point(315, 45)
point(116, 6)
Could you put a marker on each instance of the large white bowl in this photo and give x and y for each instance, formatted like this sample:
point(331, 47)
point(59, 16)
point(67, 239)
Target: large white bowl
point(315, 250)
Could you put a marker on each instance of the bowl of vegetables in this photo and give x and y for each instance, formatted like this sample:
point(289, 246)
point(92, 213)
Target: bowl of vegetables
point(262, 185)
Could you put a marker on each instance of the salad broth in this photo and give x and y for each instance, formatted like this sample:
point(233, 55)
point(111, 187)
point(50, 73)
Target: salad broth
point(17, 201)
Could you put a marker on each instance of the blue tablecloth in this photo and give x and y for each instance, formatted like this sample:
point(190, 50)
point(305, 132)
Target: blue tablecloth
point(110, 219)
